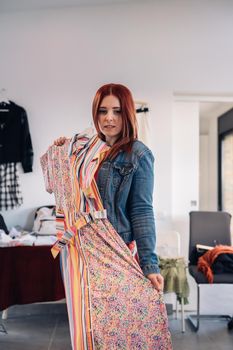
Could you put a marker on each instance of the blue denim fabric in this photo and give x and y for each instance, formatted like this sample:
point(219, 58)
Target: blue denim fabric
point(126, 188)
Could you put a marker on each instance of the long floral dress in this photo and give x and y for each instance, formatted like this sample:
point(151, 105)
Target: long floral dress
point(111, 304)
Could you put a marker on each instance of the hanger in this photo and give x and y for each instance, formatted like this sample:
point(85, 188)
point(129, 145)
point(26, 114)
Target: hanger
point(4, 101)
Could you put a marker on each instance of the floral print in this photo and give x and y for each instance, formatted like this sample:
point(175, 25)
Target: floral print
point(127, 311)
point(111, 304)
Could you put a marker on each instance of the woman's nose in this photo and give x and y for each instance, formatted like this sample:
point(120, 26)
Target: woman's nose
point(109, 115)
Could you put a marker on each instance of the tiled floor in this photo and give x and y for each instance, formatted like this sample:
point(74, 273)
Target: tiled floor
point(45, 327)
point(36, 327)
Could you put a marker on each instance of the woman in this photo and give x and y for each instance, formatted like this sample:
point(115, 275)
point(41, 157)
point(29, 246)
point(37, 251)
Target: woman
point(111, 172)
point(128, 169)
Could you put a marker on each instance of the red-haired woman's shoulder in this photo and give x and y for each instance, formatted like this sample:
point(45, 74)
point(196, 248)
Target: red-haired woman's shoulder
point(139, 147)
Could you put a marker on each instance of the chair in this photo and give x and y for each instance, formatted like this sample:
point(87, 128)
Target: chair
point(207, 228)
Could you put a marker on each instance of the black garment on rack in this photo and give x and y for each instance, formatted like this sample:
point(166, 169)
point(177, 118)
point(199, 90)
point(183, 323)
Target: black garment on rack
point(142, 110)
point(15, 139)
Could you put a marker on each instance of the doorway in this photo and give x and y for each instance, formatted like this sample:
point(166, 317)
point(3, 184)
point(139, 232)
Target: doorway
point(195, 166)
point(210, 155)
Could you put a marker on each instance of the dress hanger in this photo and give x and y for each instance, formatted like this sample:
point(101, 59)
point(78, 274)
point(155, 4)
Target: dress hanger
point(4, 101)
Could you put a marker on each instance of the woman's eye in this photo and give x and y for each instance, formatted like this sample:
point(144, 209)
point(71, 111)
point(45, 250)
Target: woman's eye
point(105, 111)
point(102, 111)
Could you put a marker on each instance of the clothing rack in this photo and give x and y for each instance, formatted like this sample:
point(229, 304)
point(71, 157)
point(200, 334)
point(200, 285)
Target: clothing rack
point(143, 106)
point(142, 110)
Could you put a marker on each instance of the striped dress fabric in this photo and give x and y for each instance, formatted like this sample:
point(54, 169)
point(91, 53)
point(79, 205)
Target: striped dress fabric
point(111, 304)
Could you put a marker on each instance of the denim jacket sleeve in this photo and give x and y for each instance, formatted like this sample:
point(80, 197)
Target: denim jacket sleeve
point(141, 213)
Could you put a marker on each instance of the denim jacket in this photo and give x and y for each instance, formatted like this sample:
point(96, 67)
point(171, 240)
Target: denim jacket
point(126, 188)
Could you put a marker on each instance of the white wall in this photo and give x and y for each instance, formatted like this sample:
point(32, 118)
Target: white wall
point(53, 61)
point(213, 164)
point(204, 172)
point(185, 174)
point(185, 167)
point(209, 165)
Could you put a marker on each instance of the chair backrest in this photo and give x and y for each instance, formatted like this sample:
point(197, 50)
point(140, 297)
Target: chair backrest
point(208, 228)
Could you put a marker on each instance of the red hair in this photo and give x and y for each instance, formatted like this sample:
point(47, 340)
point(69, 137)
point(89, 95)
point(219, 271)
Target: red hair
point(128, 113)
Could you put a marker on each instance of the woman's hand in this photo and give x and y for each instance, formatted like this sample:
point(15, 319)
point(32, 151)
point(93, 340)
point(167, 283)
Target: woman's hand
point(156, 280)
point(60, 141)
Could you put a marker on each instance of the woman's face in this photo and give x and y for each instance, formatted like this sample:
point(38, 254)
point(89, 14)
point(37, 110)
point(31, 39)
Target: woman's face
point(110, 118)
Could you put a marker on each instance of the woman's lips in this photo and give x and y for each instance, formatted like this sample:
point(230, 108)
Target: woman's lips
point(109, 126)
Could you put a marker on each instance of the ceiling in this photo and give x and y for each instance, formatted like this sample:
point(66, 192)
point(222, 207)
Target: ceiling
point(25, 5)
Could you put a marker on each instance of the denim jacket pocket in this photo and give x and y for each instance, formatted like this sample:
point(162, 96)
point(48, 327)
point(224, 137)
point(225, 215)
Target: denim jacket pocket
point(121, 172)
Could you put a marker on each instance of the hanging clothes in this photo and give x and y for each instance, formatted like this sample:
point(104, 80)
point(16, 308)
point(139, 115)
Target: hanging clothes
point(111, 304)
point(15, 139)
point(173, 271)
point(15, 146)
point(10, 192)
